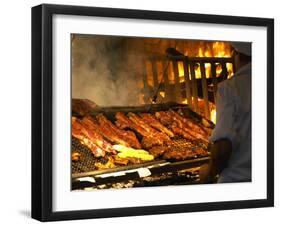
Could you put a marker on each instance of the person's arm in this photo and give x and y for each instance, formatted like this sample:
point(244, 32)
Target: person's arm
point(220, 153)
point(222, 136)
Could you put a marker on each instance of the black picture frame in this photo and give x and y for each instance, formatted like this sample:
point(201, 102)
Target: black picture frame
point(42, 111)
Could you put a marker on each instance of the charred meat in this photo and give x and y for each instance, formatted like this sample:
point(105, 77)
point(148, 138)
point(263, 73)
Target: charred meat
point(87, 139)
point(179, 155)
point(104, 131)
point(153, 122)
point(128, 138)
point(82, 107)
point(157, 151)
point(95, 134)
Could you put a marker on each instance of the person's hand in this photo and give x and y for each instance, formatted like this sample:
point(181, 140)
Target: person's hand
point(205, 174)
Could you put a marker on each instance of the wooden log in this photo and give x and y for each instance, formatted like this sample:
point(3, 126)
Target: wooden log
point(205, 91)
point(154, 74)
point(167, 87)
point(144, 73)
point(177, 82)
point(187, 82)
point(233, 64)
point(224, 70)
point(194, 87)
point(214, 80)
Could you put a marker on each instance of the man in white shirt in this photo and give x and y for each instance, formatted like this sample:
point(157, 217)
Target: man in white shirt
point(231, 138)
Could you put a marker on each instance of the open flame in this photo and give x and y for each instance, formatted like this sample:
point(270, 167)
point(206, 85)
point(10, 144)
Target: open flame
point(213, 112)
point(213, 116)
point(207, 49)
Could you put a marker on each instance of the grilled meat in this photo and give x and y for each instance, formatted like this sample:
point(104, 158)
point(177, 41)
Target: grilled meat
point(82, 107)
point(164, 118)
point(104, 131)
point(177, 153)
point(200, 152)
point(150, 136)
point(153, 136)
point(129, 138)
point(181, 132)
point(148, 142)
point(107, 165)
point(188, 123)
point(95, 135)
point(75, 156)
point(157, 151)
point(184, 154)
point(123, 122)
point(134, 160)
point(182, 126)
point(153, 122)
point(137, 120)
point(121, 161)
point(79, 131)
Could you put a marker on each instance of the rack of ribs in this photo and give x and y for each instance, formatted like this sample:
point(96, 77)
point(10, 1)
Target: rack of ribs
point(184, 133)
point(104, 132)
point(150, 136)
point(81, 133)
point(128, 138)
point(181, 126)
point(189, 123)
point(164, 118)
point(154, 137)
point(122, 121)
point(138, 120)
point(153, 122)
point(179, 155)
point(94, 132)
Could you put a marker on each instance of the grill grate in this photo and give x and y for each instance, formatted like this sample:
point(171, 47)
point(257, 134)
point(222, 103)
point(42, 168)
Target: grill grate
point(179, 143)
point(87, 161)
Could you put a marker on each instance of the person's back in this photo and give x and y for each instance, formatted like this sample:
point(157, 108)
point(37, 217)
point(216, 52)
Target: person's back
point(234, 123)
point(231, 139)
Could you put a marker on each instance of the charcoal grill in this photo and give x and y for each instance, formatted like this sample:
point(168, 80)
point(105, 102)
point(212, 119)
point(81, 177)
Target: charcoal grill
point(163, 172)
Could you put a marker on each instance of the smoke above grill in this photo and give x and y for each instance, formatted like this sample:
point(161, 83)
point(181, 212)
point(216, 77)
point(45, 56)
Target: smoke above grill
point(103, 70)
